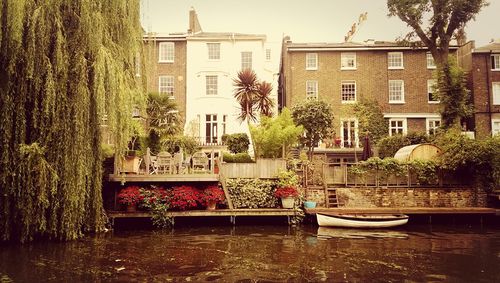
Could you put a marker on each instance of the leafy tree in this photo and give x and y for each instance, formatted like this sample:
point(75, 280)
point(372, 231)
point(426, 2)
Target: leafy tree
point(444, 20)
point(66, 68)
point(236, 143)
point(316, 117)
point(371, 119)
point(275, 135)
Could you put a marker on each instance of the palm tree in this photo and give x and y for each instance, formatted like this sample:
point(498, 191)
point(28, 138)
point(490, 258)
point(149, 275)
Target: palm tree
point(163, 116)
point(246, 85)
point(263, 101)
point(252, 95)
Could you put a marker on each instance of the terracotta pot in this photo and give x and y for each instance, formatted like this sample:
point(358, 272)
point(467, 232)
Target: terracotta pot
point(131, 208)
point(287, 202)
point(212, 205)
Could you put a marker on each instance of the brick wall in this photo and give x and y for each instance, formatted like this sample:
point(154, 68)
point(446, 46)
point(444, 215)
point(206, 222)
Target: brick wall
point(482, 78)
point(404, 197)
point(371, 76)
point(177, 69)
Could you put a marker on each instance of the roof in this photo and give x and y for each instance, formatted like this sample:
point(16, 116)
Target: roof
point(225, 36)
point(202, 36)
point(492, 47)
point(352, 46)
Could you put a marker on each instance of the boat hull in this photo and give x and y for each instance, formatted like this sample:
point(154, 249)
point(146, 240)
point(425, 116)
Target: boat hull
point(361, 221)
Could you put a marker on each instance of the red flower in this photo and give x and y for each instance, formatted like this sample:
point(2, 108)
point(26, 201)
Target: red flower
point(184, 197)
point(212, 194)
point(130, 195)
point(284, 192)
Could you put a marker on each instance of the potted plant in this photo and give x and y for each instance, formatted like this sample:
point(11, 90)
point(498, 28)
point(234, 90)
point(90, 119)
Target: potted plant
point(211, 196)
point(287, 196)
point(130, 196)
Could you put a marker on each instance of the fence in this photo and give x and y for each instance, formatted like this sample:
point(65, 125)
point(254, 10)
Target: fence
point(338, 174)
point(262, 168)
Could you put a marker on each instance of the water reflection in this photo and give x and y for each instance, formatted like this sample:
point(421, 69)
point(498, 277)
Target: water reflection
point(263, 253)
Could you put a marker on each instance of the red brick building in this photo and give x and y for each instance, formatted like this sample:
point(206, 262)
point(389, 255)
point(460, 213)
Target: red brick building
point(484, 82)
point(399, 78)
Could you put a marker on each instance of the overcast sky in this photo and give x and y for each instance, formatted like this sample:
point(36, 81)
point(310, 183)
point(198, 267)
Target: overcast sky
point(302, 20)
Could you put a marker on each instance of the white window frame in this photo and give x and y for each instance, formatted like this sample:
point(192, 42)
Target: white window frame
point(400, 84)
point(213, 49)
point(268, 54)
point(311, 61)
point(495, 127)
point(430, 125)
point(495, 92)
point(211, 84)
point(430, 90)
point(495, 62)
point(391, 60)
point(351, 141)
point(348, 82)
point(430, 61)
point(166, 85)
point(345, 58)
point(211, 122)
point(166, 52)
point(246, 61)
point(311, 89)
point(403, 126)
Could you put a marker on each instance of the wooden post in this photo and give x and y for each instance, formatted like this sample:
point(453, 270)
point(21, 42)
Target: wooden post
point(147, 159)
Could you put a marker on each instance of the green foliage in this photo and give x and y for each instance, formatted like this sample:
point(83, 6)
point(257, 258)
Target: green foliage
point(108, 150)
point(425, 171)
point(188, 144)
point(272, 134)
point(237, 158)
point(236, 143)
point(453, 94)
point(316, 117)
point(287, 178)
point(388, 146)
point(371, 119)
point(478, 159)
point(66, 67)
point(163, 115)
point(252, 193)
point(435, 24)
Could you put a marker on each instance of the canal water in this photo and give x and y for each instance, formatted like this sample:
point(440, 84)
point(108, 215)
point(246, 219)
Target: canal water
point(263, 253)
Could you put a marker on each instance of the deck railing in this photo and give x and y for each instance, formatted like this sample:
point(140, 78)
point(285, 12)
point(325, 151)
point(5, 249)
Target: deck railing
point(338, 174)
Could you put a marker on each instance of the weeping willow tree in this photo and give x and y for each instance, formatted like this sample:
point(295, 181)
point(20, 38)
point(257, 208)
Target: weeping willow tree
point(65, 67)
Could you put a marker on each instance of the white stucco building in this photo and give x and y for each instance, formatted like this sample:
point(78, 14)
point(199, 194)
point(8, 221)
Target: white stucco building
point(213, 61)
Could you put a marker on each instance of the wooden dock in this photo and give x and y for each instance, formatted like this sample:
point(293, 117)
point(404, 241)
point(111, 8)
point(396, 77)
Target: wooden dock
point(231, 213)
point(406, 210)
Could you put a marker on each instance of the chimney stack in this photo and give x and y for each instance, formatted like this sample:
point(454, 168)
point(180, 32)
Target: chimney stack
point(194, 24)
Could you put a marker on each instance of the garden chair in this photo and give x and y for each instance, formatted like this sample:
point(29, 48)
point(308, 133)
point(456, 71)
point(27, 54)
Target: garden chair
point(164, 163)
point(200, 162)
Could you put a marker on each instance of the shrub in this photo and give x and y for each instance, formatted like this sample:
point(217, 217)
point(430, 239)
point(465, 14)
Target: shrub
point(252, 193)
point(237, 158)
point(236, 143)
point(388, 146)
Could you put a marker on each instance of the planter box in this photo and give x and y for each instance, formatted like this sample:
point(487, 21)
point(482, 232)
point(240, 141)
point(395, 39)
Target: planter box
point(131, 164)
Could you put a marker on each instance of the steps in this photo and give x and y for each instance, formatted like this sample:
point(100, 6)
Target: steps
point(331, 198)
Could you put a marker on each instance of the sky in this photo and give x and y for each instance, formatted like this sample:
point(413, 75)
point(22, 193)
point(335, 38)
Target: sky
point(302, 20)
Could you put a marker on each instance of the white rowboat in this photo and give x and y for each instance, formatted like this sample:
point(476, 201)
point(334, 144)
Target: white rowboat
point(362, 220)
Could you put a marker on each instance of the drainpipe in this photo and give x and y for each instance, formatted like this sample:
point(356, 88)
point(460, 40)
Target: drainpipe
point(488, 70)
